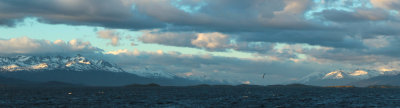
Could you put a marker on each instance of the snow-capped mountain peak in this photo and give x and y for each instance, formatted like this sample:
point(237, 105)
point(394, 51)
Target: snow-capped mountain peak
point(38, 63)
point(334, 75)
point(40, 66)
point(338, 77)
point(358, 72)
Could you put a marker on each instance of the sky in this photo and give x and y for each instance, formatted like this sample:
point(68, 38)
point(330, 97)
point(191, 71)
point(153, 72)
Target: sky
point(236, 41)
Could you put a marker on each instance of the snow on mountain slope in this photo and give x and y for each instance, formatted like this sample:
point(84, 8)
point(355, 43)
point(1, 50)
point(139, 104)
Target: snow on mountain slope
point(338, 77)
point(333, 75)
point(359, 73)
point(356, 74)
point(36, 63)
point(77, 63)
point(340, 74)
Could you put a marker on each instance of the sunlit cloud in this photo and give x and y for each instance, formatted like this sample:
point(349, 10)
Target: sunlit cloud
point(112, 35)
point(28, 46)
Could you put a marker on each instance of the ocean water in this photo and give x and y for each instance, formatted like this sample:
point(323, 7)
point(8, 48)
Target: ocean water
point(221, 96)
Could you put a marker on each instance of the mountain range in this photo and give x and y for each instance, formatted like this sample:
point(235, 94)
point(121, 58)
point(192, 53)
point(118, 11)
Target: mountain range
point(78, 70)
point(393, 80)
point(361, 78)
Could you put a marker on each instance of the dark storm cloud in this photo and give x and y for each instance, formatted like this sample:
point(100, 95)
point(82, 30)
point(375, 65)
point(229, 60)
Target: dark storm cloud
point(378, 50)
point(270, 21)
point(108, 13)
point(252, 24)
point(221, 15)
point(284, 22)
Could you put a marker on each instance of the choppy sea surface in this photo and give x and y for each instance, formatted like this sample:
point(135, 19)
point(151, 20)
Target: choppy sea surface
point(229, 96)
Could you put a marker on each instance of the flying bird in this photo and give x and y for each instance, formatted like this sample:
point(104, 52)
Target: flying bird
point(263, 75)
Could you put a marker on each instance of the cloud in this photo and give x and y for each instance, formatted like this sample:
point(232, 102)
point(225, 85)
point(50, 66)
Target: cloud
point(112, 35)
point(145, 14)
point(212, 41)
point(283, 21)
point(182, 39)
point(291, 14)
point(78, 12)
point(223, 15)
point(357, 16)
point(254, 47)
point(378, 42)
point(28, 46)
point(386, 4)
